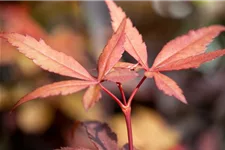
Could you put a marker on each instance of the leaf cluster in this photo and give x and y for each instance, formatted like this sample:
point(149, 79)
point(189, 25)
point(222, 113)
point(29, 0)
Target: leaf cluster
point(184, 52)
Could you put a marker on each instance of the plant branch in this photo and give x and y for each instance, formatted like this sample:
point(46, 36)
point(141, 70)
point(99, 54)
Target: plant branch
point(113, 96)
point(122, 93)
point(127, 114)
point(135, 91)
point(126, 107)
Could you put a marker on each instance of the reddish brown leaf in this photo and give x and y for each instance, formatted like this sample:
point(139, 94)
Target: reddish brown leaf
point(134, 44)
point(191, 62)
point(47, 58)
point(112, 52)
point(63, 88)
point(91, 96)
point(168, 86)
point(191, 44)
point(121, 75)
point(101, 135)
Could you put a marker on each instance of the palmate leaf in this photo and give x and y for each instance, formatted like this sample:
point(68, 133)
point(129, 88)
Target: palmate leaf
point(47, 58)
point(134, 44)
point(57, 62)
point(183, 52)
point(192, 44)
point(57, 88)
point(112, 52)
point(167, 85)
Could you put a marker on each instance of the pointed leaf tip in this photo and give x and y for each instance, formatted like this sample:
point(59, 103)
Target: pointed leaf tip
point(112, 52)
point(192, 44)
point(134, 44)
point(57, 88)
point(169, 86)
point(46, 57)
point(193, 61)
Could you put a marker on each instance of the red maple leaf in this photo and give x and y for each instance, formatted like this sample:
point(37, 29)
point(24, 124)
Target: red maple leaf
point(184, 52)
point(58, 62)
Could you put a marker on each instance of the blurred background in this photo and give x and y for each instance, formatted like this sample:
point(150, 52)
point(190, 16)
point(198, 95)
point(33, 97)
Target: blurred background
point(81, 30)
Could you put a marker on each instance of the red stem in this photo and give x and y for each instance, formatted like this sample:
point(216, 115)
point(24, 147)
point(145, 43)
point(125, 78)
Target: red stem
point(126, 107)
point(122, 93)
point(135, 91)
point(113, 96)
point(127, 114)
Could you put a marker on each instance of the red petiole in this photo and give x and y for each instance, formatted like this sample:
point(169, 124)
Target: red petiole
point(126, 107)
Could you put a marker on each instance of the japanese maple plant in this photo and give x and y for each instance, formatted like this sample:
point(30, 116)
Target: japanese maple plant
point(184, 52)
